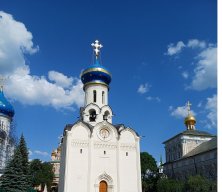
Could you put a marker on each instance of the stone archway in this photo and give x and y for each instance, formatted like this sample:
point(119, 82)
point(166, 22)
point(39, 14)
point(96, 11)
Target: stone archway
point(103, 187)
point(104, 183)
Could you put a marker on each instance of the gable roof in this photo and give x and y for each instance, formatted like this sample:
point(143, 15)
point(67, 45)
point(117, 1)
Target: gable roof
point(203, 147)
point(117, 126)
point(191, 133)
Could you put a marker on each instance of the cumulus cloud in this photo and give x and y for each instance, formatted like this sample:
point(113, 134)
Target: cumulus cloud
point(42, 153)
point(179, 112)
point(143, 88)
point(211, 108)
point(195, 43)
point(149, 98)
point(185, 74)
point(15, 41)
point(205, 70)
point(30, 152)
point(60, 79)
point(175, 49)
point(34, 90)
point(56, 90)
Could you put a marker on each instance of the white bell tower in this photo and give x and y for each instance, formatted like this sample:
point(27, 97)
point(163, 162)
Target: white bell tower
point(96, 79)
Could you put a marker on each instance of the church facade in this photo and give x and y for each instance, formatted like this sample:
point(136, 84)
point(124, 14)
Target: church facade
point(96, 155)
point(191, 152)
point(7, 144)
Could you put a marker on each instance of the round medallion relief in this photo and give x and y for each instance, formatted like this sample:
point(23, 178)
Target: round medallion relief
point(104, 134)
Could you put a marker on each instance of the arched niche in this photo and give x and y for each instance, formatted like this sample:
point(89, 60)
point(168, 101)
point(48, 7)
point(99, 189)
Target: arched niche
point(104, 177)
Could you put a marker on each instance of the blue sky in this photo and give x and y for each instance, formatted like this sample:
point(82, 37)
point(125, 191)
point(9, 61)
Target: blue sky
point(160, 53)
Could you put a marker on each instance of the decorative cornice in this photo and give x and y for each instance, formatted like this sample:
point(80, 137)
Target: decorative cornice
point(105, 145)
point(79, 143)
point(96, 82)
point(127, 146)
point(95, 69)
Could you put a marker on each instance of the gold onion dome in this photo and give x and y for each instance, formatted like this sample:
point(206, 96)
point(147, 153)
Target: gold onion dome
point(59, 148)
point(53, 152)
point(190, 119)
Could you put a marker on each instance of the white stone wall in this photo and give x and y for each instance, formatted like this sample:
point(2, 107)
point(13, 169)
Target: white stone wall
point(99, 91)
point(87, 158)
point(5, 124)
point(204, 164)
point(181, 145)
point(6, 149)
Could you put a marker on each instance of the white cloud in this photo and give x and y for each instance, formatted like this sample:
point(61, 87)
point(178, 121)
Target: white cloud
point(185, 74)
point(143, 88)
point(205, 70)
point(211, 107)
point(60, 79)
point(42, 153)
point(34, 90)
point(15, 40)
point(175, 49)
point(58, 91)
point(195, 43)
point(149, 98)
point(205, 73)
point(179, 112)
point(30, 152)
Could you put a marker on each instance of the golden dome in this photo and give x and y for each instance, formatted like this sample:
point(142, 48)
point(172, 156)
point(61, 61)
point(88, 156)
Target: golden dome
point(53, 152)
point(190, 120)
point(59, 148)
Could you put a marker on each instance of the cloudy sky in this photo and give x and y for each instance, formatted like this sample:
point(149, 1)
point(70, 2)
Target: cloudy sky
point(161, 54)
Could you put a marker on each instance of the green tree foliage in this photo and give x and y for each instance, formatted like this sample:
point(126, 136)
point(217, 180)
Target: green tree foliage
point(192, 184)
point(25, 163)
point(41, 173)
point(147, 163)
point(149, 172)
point(199, 184)
point(15, 177)
point(170, 185)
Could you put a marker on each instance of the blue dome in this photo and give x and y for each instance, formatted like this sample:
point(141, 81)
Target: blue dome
point(96, 74)
point(5, 107)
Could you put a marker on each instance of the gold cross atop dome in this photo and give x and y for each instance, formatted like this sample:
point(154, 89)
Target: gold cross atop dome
point(96, 47)
point(188, 107)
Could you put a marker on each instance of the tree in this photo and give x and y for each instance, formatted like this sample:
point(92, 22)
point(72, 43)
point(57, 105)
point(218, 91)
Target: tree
point(25, 163)
point(149, 172)
point(198, 184)
point(41, 173)
point(170, 185)
point(15, 177)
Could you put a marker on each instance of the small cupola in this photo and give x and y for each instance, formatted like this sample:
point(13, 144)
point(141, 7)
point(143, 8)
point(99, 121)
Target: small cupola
point(96, 73)
point(190, 120)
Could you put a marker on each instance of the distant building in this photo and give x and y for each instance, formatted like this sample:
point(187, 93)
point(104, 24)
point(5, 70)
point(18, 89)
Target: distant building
point(160, 167)
point(191, 152)
point(55, 161)
point(6, 141)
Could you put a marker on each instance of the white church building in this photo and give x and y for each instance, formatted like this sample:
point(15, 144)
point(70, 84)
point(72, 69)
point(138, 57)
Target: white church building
point(96, 155)
point(7, 143)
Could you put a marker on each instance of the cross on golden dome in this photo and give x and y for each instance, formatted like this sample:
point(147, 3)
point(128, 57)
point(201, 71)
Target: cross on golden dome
point(188, 107)
point(96, 47)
